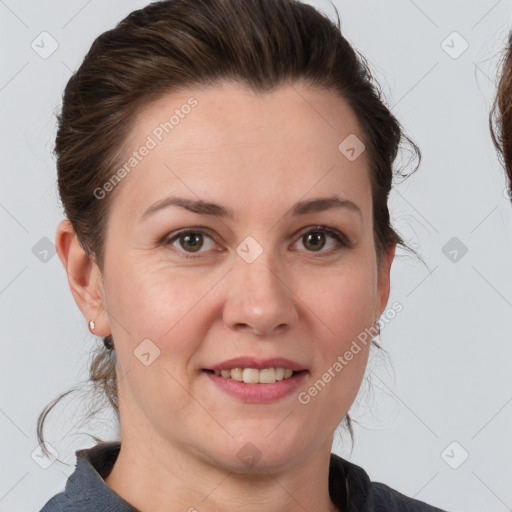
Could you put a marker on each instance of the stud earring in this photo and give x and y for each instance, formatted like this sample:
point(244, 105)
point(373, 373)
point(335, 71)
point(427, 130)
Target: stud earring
point(92, 326)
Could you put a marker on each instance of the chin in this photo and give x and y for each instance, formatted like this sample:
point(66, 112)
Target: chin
point(257, 454)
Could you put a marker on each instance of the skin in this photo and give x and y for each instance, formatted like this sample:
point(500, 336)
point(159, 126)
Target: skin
point(257, 154)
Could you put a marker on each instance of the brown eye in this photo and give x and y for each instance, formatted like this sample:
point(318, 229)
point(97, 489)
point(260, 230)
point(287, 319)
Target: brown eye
point(315, 240)
point(189, 241)
point(192, 241)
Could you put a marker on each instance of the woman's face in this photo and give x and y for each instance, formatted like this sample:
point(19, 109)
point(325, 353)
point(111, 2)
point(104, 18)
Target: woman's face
point(250, 283)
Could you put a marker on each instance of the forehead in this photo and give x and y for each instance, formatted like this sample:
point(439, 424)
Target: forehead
point(229, 142)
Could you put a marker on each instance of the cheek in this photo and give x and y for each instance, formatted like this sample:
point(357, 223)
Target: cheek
point(171, 309)
point(153, 300)
point(344, 300)
point(160, 301)
point(345, 304)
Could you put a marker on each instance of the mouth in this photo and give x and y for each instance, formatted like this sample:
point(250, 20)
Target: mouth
point(253, 385)
point(257, 376)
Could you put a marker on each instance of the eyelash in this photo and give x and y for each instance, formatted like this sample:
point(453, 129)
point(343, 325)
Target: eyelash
point(342, 241)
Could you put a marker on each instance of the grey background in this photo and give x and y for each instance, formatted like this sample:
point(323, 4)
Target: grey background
point(448, 376)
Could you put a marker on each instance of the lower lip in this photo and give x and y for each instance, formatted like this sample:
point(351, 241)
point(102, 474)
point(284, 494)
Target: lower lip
point(258, 393)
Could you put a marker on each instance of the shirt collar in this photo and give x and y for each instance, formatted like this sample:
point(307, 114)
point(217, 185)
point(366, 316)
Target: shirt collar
point(86, 485)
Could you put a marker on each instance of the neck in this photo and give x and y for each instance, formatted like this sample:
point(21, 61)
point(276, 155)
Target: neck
point(160, 476)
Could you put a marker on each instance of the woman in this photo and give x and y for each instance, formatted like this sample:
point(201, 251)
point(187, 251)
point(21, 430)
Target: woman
point(224, 168)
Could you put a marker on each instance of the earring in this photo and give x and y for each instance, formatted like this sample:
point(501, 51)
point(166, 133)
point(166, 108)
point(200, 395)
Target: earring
point(92, 325)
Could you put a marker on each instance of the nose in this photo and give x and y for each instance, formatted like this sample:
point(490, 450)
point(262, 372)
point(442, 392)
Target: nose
point(260, 299)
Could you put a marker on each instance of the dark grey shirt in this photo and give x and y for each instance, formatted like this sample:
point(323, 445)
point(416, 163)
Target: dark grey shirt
point(349, 487)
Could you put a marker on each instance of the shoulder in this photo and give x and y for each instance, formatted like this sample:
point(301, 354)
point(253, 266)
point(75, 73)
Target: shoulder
point(387, 499)
point(59, 503)
point(71, 500)
point(351, 488)
point(85, 488)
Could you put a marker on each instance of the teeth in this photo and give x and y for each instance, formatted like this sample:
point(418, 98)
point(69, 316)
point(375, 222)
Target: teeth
point(235, 373)
point(266, 376)
point(280, 373)
point(251, 376)
point(255, 376)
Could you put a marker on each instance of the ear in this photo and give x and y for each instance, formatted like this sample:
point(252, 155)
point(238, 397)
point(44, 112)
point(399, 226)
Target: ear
point(84, 277)
point(384, 272)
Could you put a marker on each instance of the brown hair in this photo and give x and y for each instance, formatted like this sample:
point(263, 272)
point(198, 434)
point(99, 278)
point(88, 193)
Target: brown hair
point(500, 118)
point(173, 44)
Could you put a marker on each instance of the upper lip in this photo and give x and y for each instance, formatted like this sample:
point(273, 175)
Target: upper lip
point(259, 364)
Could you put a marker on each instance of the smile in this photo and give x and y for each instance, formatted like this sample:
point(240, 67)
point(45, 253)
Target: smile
point(255, 376)
point(245, 385)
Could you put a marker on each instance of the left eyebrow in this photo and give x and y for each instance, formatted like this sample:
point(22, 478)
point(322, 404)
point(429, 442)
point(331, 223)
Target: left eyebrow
point(197, 206)
point(207, 208)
